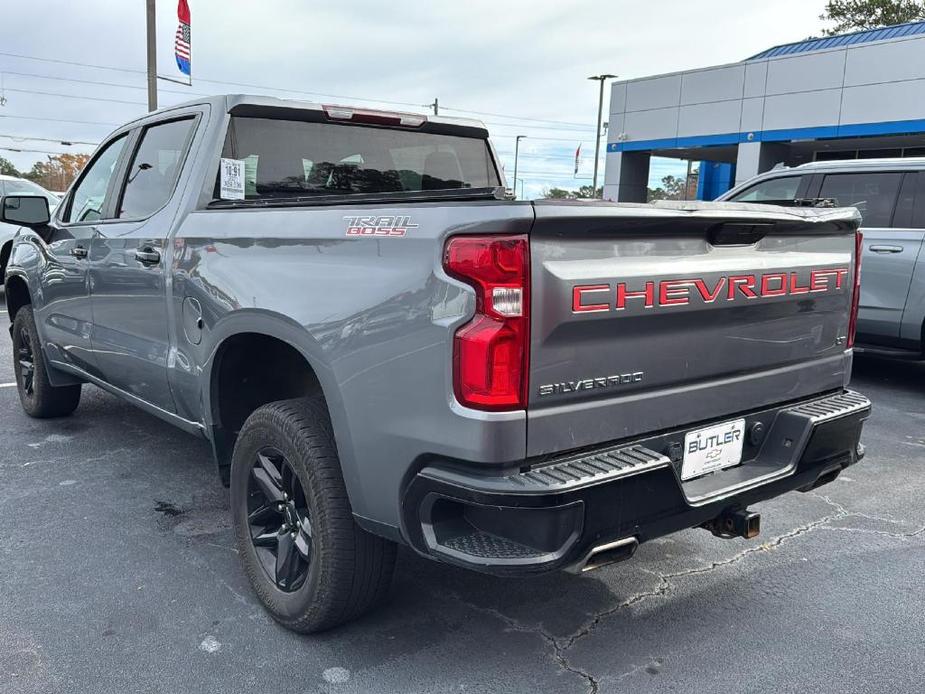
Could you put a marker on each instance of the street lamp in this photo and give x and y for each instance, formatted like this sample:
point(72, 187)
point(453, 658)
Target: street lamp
point(516, 152)
point(597, 133)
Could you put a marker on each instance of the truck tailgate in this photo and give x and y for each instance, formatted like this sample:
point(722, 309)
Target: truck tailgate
point(645, 320)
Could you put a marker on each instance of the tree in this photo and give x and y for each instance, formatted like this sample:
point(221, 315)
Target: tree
point(558, 194)
point(563, 194)
point(672, 188)
point(7, 168)
point(58, 172)
point(589, 192)
point(856, 15)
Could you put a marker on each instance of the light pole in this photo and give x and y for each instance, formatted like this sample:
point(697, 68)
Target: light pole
point(597, 132)
point(516, 153)
point(151, 34)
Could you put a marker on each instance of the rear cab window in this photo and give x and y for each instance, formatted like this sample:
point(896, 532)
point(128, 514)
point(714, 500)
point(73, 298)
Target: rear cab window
point(155, 167)
point(288, 158)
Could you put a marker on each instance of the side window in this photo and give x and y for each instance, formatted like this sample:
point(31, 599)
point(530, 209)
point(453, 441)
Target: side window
point(874, 194)
point(902, 218)
point(90, 194)
point(776, 190)
point(918, 211)
point(154, 170)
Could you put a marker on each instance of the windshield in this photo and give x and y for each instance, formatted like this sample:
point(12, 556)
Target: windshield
point(284, 158)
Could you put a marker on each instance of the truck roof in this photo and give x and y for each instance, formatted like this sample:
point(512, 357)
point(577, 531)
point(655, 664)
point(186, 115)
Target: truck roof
point(891, 164)
point(226, 102)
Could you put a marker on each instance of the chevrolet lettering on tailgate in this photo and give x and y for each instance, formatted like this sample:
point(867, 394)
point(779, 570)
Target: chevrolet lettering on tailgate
point(594, 298)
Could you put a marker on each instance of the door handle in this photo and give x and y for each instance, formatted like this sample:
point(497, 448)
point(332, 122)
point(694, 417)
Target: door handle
point(886, 249)
point(79, 252)
point(147, 256)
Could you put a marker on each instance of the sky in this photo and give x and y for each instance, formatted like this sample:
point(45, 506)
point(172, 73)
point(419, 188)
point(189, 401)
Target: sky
point(521, 66)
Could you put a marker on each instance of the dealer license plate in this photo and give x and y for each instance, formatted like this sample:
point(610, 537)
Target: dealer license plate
point(713, 448)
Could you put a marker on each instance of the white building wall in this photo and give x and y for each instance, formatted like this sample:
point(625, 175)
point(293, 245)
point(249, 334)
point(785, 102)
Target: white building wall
point(865, 83)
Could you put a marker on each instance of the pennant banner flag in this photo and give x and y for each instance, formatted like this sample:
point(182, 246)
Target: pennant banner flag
point(182, 41)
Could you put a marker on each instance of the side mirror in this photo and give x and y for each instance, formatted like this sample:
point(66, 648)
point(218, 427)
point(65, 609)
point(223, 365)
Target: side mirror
point(25, 210)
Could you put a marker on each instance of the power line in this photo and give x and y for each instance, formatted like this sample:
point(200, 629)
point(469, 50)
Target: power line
point(30, 151)
point(60, 141)
point(95, 82)
point(74, 96)
point(291, 91)
point(70, 62)
point(189, 93)
point(503, 115)
point(60, 120)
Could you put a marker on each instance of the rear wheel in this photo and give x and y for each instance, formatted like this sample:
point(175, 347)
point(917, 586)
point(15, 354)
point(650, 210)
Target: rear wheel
point(308, 561)
point(38, 397)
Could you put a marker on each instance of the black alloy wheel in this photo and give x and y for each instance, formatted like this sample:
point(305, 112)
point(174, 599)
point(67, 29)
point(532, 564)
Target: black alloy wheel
point(279, 521)
point(25, 355)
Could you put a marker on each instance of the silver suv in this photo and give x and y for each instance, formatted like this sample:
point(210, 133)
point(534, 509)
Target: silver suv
point(890, 194)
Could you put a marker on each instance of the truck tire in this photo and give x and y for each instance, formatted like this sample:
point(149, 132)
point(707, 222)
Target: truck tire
point(39, 398)
point(310, 564)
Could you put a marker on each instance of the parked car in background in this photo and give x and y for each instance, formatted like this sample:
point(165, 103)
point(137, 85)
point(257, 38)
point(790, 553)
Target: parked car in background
point(890, 194)
point(11, 185)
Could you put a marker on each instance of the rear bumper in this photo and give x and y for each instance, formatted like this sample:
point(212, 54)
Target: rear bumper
point(552, 514)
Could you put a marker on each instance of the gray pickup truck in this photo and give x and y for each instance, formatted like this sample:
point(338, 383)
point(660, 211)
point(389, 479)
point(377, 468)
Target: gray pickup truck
point(382, 348)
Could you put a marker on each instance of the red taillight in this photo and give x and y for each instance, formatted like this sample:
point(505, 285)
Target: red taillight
point(491, 352)
point(856, 292)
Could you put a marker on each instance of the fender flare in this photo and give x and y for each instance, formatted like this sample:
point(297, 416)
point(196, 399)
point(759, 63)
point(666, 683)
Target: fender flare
point(285, 329)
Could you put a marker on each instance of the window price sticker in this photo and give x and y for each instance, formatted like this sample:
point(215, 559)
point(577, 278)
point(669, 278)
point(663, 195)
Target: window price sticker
point(231, 179)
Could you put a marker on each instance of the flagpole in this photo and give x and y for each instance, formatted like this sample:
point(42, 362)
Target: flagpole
point(152, 56)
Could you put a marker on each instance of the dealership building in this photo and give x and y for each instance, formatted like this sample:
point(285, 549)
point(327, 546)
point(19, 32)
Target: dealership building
point(858, 95)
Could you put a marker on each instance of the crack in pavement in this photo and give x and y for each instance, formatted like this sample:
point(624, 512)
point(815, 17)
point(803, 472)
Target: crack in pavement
point(561, 646)
point(558, 654)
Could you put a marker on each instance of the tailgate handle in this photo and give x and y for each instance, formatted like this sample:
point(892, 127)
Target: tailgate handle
point(737, 233)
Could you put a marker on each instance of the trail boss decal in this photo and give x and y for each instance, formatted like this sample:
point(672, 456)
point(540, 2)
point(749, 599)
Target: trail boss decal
point(388, 225)
point(594, 298)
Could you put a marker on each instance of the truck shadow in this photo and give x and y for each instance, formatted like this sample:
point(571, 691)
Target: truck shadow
point(896, 374)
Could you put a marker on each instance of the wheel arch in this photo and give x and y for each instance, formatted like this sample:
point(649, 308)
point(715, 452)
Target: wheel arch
point(5, 250)
point(17, 294)
point(258, 357)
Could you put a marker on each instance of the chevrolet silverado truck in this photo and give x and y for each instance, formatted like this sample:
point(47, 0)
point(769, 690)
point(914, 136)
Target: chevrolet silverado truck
point(382, 347)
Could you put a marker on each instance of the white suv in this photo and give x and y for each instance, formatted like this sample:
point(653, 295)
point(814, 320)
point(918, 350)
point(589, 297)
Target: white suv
point(11, 185)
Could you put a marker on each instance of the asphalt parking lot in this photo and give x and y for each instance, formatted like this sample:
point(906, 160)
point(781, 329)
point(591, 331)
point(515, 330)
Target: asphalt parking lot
point(118, 574)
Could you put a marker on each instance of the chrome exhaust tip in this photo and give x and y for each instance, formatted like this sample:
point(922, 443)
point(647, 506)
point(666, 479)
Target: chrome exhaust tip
point(610, 553)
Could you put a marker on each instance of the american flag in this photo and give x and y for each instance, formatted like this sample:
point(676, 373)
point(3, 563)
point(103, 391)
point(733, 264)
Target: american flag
point(181, 44)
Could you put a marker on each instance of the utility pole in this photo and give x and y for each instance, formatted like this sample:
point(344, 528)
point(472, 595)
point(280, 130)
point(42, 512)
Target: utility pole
point(516, 153)
point(152, 56)
point(597, 132)
point(435, 106)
